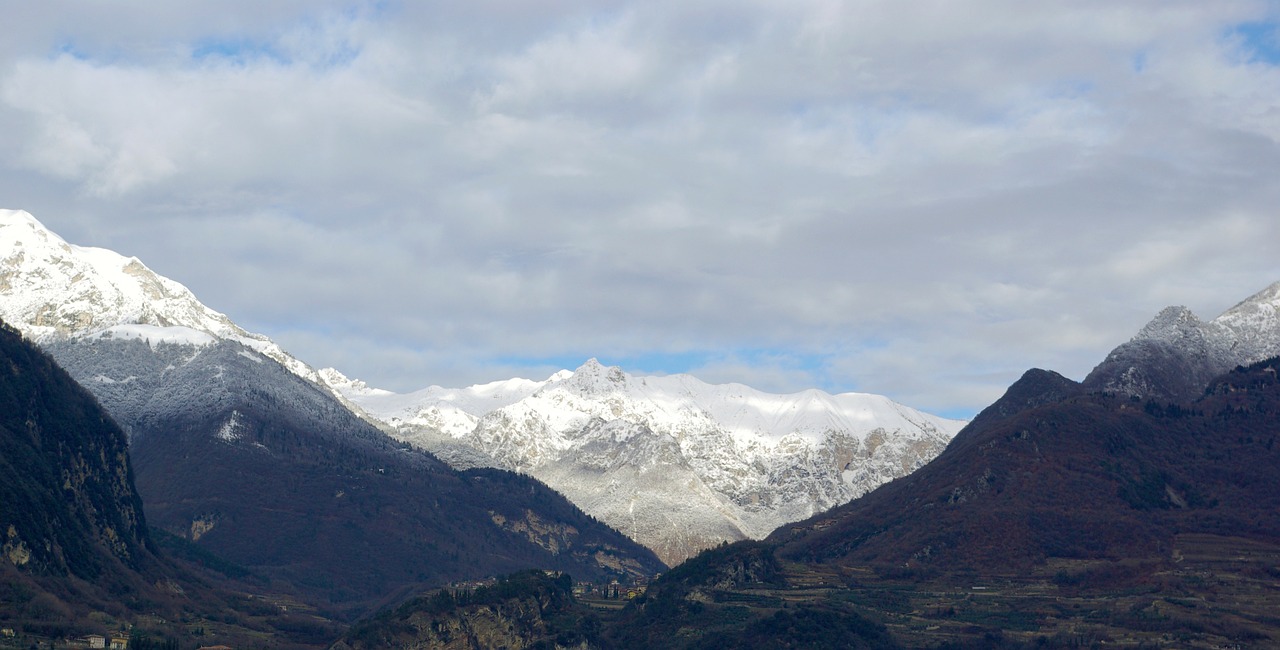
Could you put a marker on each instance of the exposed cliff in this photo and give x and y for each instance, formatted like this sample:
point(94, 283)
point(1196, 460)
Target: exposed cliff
point(67, 501)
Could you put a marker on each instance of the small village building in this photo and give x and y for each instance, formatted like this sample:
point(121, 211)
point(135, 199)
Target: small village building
point(96, 641)
point(119, 642)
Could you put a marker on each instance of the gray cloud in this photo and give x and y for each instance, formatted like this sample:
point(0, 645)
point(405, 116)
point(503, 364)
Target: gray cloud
point(916, 199)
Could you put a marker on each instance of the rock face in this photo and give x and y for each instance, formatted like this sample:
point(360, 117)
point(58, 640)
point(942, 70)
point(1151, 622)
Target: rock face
point(677, 464)
point(73, 538)
point(1177, 354)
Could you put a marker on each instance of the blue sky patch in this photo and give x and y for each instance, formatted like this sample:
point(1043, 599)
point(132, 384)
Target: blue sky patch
point(1261, 41)
point(238, 51)
point(1139, 62)
point(644, 364)
point(70, 49)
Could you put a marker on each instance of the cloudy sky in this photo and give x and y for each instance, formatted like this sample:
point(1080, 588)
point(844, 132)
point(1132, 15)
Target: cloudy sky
point(918, 199)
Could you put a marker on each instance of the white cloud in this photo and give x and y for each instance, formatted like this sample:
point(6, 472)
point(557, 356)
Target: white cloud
point(927, 196)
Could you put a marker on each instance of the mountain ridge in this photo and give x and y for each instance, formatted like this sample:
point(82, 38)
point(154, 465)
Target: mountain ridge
point(748, 460)
point(1176, 354)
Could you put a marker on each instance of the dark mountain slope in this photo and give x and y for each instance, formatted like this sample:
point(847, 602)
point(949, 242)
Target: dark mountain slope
point(72, 533)
point(1035, 388)
point(1091, 476)
point(56, 436)
point(76, 556)
point(731, 597)
point(249, 461)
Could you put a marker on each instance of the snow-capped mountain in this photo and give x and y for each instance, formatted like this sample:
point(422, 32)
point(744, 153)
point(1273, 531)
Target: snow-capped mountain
point(674, 462)
point(51, 290)
point(235, 449)
point(1175, 355)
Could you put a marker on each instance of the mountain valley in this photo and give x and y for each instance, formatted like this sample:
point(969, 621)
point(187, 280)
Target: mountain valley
point(1060, 517)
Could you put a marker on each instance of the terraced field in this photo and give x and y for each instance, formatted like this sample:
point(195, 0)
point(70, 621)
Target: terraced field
point(1208, 592)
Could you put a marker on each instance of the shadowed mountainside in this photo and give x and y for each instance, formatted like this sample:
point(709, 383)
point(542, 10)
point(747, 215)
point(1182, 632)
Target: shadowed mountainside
point(1089, 476)
point(242, 457)
point(72, 530)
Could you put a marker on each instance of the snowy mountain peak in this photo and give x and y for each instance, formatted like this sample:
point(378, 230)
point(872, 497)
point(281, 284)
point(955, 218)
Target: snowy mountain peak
point(13, 217)
point(1178, 326)
point(1171, 322)
point(50, 289)
point(19, 228)
point(593, 378)
point(1250, 330)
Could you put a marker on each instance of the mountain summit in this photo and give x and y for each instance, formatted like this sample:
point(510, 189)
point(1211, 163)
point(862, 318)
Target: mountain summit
point(55, 290)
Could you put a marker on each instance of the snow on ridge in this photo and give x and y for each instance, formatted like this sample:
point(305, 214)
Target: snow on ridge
point(1245, 333)
point(334, 379)
point(155, 335)
point(1252, 327)
point(666, 403)
point(451, 411)
point(749, 413)
point(680, 463)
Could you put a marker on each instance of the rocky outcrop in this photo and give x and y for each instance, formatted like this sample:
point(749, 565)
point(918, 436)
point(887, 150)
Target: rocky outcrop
point(527, 610)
